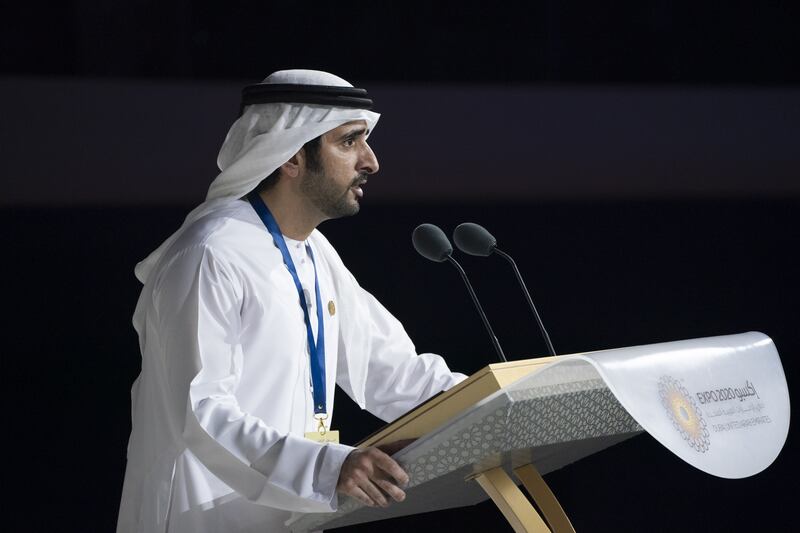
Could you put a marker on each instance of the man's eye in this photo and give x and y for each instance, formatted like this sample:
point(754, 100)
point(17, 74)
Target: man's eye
point(350, 141)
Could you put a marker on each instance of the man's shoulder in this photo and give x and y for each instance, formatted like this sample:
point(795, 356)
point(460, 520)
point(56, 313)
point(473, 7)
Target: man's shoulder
point(217, 240)
point(225, 230)
point(231, 221)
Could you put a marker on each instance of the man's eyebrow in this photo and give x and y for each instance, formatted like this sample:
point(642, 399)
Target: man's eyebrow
point(354, 133)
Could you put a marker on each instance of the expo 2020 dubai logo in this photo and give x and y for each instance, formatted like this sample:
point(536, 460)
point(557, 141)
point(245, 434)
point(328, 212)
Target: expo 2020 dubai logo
point(684, 413)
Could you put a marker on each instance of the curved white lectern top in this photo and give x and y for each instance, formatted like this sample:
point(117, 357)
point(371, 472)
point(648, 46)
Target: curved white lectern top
point(720, 403)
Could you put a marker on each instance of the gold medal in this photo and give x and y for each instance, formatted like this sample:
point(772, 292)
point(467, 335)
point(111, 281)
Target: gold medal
point(322, 434)
point(328, 436)
point(331, 308)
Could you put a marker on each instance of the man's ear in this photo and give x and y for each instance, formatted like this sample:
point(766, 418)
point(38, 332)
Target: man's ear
point(292, 167)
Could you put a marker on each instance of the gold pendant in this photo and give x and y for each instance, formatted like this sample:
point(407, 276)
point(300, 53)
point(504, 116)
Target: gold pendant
point(331, 308)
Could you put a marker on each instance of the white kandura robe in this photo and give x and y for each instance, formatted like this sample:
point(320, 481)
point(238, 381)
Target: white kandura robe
point(223, 400)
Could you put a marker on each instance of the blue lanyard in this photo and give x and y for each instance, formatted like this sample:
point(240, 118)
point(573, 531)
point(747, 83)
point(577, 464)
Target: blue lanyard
point(316, 349)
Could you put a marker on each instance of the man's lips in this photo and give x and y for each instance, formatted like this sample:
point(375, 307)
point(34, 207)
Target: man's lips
point(357, 190)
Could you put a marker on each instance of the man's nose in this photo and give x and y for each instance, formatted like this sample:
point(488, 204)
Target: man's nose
point(368, 163)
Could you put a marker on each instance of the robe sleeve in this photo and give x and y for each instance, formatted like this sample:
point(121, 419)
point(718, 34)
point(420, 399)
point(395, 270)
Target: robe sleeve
point(198, 304)
point(398, 379)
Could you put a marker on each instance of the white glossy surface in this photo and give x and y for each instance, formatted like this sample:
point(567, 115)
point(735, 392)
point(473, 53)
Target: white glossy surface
point(719, 403)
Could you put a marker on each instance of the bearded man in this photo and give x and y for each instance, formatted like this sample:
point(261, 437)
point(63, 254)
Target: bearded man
point(248, 318)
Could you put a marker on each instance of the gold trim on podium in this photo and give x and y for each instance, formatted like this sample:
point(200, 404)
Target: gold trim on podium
point(545, 499)
point(511, 501)
point(444, 406)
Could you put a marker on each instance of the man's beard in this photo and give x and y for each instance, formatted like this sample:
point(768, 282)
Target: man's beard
point(329, 198)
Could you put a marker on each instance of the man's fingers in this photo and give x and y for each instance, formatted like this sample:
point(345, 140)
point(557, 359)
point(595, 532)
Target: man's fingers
point(361, 496)
point(374, 493)
point(390, 466)
point(391, 489)
point(372, 477)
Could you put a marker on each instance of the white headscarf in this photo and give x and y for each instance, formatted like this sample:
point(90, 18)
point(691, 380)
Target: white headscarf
point(260, 141)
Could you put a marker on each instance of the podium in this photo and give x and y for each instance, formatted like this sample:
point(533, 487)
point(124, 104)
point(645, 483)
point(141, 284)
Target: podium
point(720, 403)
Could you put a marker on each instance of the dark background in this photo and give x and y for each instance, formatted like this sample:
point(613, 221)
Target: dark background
point(638, 159)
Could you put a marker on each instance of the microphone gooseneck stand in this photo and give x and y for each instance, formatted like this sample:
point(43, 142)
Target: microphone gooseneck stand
point(472, 294)
point(508, 258)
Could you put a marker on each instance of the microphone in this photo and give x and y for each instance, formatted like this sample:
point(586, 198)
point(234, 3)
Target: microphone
point(431, 243)
point(473, 239)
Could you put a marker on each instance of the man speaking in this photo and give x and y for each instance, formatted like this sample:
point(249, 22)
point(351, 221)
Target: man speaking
point(247, 320)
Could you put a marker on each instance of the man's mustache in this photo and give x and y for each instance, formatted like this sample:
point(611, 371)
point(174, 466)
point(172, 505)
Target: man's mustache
point(361, 179)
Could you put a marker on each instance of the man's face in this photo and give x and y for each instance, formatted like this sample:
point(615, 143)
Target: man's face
point(346, 160)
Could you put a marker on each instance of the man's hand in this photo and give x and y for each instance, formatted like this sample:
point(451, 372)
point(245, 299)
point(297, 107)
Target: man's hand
point(370, 475)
